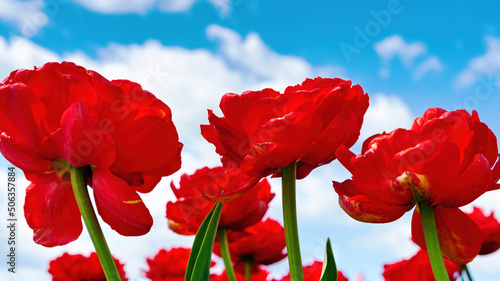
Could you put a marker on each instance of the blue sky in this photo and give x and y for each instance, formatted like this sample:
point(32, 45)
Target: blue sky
point(408, 55)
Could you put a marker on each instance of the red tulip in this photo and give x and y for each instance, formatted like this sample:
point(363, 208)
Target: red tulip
point(77, 267)
point(444, 160)
point(62, 114)
point(169, 265)
point(188, 212)
point(418, 268)
point(262, 243)
point(490, 230)
point(259, 274)
point(263, 131)
point(313, 273)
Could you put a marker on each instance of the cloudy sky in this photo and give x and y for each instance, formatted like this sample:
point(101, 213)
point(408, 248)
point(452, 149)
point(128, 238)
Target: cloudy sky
point(408, 55)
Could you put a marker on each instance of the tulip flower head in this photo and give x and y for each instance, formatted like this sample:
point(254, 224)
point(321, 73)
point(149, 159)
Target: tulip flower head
point(418, 268)
point(264, 131)
point(313, 272)
point(62, 115)
point(259, 274)
point(78, 267)
point(169, 265)
point(445, 160)
point(490, 230)
point(262, 243)
point(187, 213)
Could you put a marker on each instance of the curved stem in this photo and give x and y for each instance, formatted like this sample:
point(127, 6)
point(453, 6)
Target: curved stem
point(226, 256)
point(90, 219)
point(248, 269)
point(288, 175)
point(466, 269)
point(432, 242)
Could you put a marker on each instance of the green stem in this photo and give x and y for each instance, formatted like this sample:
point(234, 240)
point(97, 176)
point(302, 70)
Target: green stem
point(466, 269)
point(288, 175)
point(226, 256)
point(248, 269)
point(90, 219)
point(432, 242)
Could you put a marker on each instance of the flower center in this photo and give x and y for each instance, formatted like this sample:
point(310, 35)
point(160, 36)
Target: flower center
point(62, 169)
point(417, 183)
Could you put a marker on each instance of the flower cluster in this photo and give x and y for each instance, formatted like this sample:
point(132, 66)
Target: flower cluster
point(69, 128)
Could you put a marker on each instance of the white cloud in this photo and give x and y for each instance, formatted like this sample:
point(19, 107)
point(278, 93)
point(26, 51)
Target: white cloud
point(261, 64)
point(122, 6)
point(223, 7)
point(487, 65)
point(31, 15)
point(430, 64)
point(28, 16)
point(176, 5)
point(395, 46)
point(19, 52)
point(385, 113)
point(385, 237)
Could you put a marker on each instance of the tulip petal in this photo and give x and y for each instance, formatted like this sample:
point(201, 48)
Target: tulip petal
point(23, 157)
point(343, 130)
point(366, 209)
point(137, 98)
point(418, 268)
point(276, 155)
point(249, 110)
point(119, 204)
point(228, 141)
point(145, 140)
point(344, 155)
point(459, 235)
point(248, 209)
point(467, 187)
point(490, 230)
point(210, 134)
point(142, 183)
point(485, 141)
point(22, 116)
point(224, 192)
point(51, 211)
point(79, 140)
point(294, 127)
point(303, 170)
point(430, 158)
point(371, 175)
point(49, 83)
point(263, 242)
point(185, 216)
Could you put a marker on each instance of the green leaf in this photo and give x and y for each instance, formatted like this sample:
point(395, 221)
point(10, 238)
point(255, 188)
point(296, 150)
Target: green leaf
point(198, 267)
point(329, 268)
